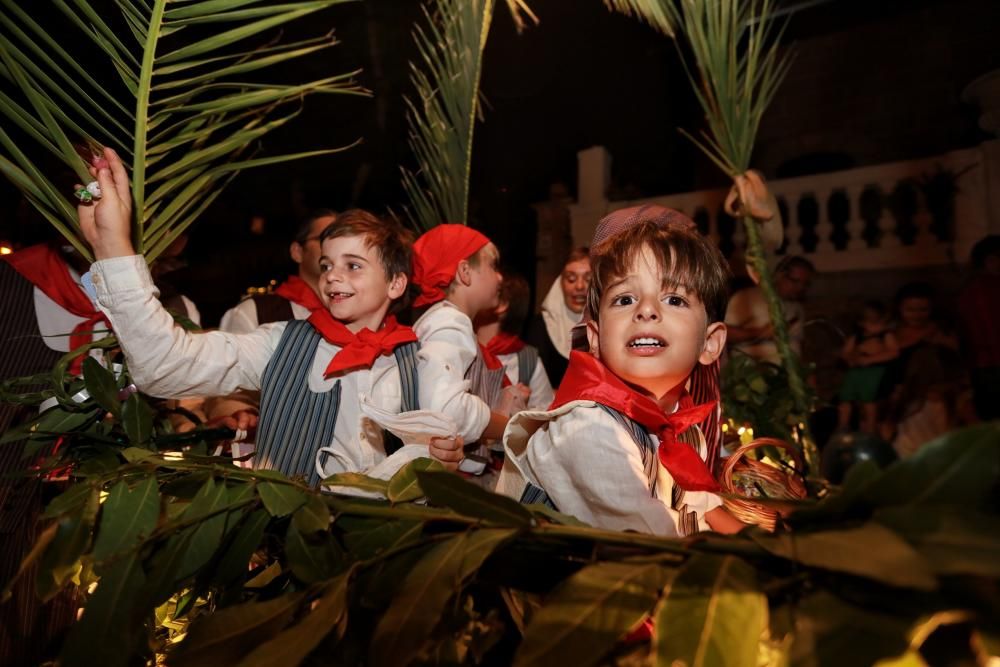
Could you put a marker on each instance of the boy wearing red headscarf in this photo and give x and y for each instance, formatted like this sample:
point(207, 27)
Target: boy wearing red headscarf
point(311, 373)
point(620, 448)
point(455, 268)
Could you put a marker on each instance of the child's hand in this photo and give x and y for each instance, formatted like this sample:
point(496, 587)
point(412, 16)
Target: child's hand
point(513, 399)
point(750, 196)
point(107, 222)
point(448, 451)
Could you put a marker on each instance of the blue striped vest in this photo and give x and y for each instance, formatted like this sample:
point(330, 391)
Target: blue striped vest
point(296, 421)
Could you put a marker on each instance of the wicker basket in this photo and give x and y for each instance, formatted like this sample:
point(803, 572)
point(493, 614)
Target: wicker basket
point(777, 484)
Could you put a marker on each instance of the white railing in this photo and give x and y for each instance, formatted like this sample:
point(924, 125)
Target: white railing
point(874, 217)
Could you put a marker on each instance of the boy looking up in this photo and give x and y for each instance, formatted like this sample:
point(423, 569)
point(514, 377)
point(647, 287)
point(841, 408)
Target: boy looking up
point(619, 449)
point(455, 268)
point(311, 373)
point(499, 331)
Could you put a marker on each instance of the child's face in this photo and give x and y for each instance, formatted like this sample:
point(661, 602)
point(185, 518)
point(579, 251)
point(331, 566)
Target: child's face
point(915, 311)
point(575, 280)
point(485, 280)
point(873, 319)
point(353, 284)
point(651, 336)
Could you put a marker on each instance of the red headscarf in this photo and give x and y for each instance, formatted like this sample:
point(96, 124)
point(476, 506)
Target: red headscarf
point(436, 255)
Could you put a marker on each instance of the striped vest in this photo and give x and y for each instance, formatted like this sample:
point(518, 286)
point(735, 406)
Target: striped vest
point(527, 360)
point(688, 521)
point(296, 421)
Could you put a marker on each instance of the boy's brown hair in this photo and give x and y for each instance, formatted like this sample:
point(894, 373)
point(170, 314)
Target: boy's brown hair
point(393, 242)
point(516, 293)
point(685, 257)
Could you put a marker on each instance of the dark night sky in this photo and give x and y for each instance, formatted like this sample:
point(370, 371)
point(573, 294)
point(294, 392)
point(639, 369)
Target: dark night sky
point(583, 77)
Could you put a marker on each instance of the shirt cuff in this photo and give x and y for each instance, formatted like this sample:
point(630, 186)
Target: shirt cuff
point(120, 275)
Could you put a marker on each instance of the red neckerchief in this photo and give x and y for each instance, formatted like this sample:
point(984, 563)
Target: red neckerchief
point(298, 291)
point(504, 343)
point(362, 349)
point(589, 380)
point(44, 268)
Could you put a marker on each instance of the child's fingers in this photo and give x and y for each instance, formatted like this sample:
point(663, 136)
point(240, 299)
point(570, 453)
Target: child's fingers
point(107, 182)
point(119, 173)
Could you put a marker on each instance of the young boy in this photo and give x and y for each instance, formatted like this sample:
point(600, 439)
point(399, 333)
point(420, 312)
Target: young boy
point(455, 268)
point(867, 352)
point(311, 373)
point(619, 449)
point(499, 331)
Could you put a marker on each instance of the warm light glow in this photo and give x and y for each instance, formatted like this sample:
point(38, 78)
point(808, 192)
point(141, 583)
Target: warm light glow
point(6, 250)
point(173, 456)
point(104, 496)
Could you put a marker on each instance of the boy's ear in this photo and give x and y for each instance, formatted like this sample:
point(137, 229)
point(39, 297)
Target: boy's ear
point(464, 273)
point(715, 343)
point(397, 286)
point(502, 308)
point(594, 338)
point(295, 250)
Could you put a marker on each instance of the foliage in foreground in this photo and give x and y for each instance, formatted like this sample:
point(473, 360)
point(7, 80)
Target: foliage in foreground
point(471, 577)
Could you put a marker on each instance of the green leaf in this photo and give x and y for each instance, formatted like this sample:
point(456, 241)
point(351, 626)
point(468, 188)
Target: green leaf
point(101, 386)
point(404, 485)
point(960, 468)
point(106, 633)
point(137, 418)
point(293, 645)
point(450, 490)
point(227, 635)
point(378, 536)
point(711, 614)
point(312, 558)
point(69, 500)
point(953, 540)
point(136, 454)
point(280, 499)
point(53, 422)
point(586, 615)
point(73, 536)
point(870, 550)
point(425, 591)
point(313, 517)
point(206, 535)
point(234, 562)
point(356, 480)
point(127, 517)
point(831, 631)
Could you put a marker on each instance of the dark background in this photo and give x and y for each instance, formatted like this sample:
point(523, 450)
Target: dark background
point(873, 81)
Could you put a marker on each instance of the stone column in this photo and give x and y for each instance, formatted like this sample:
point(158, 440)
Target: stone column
point(985, 93)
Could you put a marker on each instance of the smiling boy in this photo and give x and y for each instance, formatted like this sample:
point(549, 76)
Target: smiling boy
point(620, 448)
point(311, 373)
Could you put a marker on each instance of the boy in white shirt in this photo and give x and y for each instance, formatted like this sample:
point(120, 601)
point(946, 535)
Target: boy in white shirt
point(311, 373)
point(498, 332)
point(455, 268)
point(620, 448)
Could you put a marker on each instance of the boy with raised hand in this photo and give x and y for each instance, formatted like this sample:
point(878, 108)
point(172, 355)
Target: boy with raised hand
point(620, 449)
point(499, 331)
point(311, 373)
point(455, 268)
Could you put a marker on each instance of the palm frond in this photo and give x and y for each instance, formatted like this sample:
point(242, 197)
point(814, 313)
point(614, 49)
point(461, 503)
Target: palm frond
point(177, 108)
point(739, 68)
point(660, 14)
point(442, 117)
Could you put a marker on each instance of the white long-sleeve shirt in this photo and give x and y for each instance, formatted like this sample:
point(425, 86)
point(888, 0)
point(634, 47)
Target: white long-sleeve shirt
point(167, 361)
point(448, 346)
point(592, 469)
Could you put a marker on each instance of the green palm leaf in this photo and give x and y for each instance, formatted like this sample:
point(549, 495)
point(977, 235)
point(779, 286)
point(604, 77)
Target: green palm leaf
point(171, 100)
point(442, 117)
